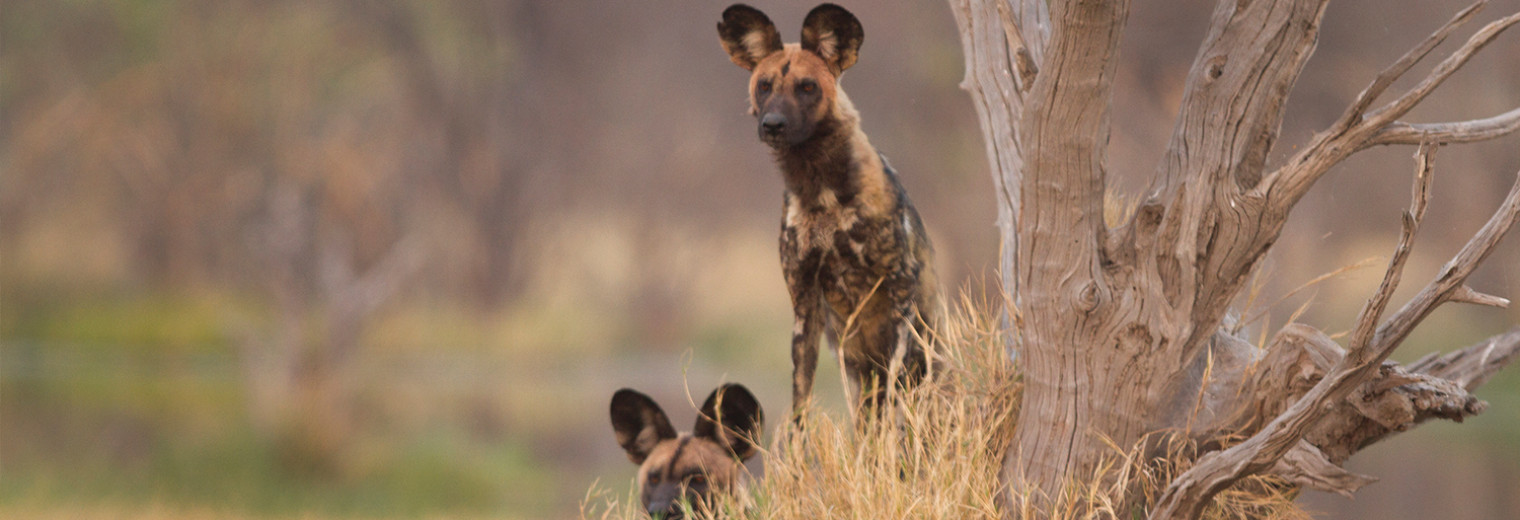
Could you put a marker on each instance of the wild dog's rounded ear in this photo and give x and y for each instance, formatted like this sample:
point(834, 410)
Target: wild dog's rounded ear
point(833, 34)
point(639, 423)
point(748, 35)
point(732, 407)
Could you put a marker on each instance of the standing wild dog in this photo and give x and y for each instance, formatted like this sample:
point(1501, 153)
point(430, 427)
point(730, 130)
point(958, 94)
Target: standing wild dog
point(853, 249)
point(687, 466)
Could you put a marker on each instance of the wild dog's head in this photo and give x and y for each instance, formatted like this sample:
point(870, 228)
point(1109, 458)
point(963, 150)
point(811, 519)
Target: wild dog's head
point(687, 466)
point(793, 87)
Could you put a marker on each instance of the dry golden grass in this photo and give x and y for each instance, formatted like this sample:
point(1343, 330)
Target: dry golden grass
point(158, 511)
point(937, 455)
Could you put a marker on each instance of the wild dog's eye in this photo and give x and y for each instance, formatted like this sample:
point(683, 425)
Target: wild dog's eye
point(697, 480)
point(654, 478)
point(763, 87)
point(807, 87)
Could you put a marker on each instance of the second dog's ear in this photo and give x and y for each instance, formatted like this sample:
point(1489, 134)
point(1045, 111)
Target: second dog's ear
point(748, 35)
point(639, 424)
point(731, 417)
point(833, 34)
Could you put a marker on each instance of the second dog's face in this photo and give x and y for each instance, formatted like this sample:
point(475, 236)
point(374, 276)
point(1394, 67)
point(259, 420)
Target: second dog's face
point(792, 87)
point(687, 467)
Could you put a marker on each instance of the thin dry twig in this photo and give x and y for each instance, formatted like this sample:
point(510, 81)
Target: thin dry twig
point(1454, 274)
point(1396, 70)
point(1398, 107)
point(1469, 131)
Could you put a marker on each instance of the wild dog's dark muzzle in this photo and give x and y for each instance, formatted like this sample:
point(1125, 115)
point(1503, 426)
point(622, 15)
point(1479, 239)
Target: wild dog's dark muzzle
point(772, 126)
point(783, 128)
point(665, 511)
point(665, 502)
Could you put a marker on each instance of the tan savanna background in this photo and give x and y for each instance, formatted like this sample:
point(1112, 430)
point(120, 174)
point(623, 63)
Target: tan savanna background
point(391, 258)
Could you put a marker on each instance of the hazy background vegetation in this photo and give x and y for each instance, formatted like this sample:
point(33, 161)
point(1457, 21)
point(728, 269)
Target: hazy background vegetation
point(373, 258)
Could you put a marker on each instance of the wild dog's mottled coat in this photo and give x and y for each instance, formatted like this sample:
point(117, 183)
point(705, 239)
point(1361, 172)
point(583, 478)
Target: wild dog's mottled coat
point(687, 466)
point(854, 252)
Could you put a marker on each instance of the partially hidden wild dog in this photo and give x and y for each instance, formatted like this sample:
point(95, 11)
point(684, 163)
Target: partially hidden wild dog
point(688, 467)
point(855, 255)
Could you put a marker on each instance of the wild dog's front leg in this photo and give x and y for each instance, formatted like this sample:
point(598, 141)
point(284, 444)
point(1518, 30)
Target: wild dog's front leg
point(806, 331)
point(801, 270)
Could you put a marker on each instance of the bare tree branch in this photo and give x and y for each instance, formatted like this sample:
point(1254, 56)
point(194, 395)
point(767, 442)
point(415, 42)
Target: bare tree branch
point(1120, 330)
point(1471, 131)
point(1472, 366)
point(998, 96)
point(1367, 320)
point(1386, 78)
point(1032, 17)
point(1063, 141)
point(1285, 186)
point(1237, 90)
point(1454, 274)
point(1398, 107)
point(1186, 496)
point(1465, 294)
point(1022, 58)
point(1395, 400)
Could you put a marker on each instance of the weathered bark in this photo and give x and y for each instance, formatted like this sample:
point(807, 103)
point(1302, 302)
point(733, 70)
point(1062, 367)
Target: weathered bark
point(1002, 47)
point(1118, 331)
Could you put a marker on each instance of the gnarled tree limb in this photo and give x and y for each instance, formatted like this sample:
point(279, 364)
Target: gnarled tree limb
point(1186, 496)
point(1233, 103)
point(1395, 400)
point(1119, 330)
point(1231, 111)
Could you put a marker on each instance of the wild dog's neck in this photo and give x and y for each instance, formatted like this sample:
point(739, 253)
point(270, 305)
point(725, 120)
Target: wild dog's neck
point(827, 166)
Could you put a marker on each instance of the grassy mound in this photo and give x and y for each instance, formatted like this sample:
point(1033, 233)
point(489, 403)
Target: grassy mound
point(937, 454)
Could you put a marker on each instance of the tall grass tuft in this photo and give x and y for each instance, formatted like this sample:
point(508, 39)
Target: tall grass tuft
point(937, 454)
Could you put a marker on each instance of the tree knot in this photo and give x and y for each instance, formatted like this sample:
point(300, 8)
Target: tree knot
point(1089, 297)
point(1216, 67)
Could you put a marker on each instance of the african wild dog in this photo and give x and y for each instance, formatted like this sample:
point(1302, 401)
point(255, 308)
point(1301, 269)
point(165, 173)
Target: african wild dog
point(853, 249)
point(687, 466)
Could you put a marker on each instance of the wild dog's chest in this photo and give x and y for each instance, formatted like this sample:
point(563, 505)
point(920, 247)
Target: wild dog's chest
point(840, 243)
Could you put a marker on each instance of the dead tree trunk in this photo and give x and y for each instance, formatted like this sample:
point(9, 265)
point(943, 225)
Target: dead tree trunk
point(1118, 330)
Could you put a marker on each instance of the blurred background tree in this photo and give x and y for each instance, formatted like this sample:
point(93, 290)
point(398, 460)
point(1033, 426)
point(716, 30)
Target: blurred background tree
point(392, 258)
